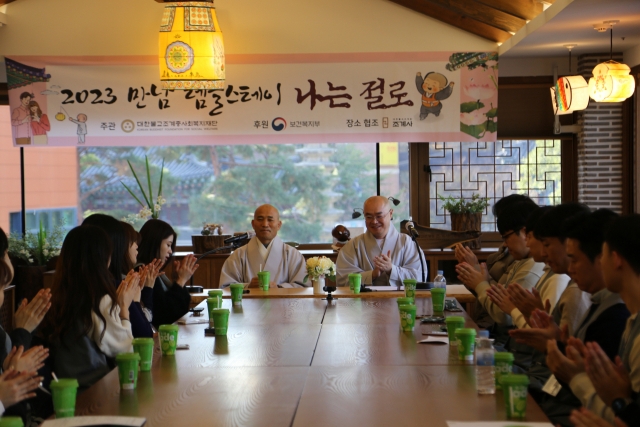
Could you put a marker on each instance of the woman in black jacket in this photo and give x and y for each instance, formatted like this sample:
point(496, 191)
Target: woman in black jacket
point(170, 299)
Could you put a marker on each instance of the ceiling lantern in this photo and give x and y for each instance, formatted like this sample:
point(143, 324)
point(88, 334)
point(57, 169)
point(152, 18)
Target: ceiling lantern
point(611, 82)
point(570, 94)
point(191, 50)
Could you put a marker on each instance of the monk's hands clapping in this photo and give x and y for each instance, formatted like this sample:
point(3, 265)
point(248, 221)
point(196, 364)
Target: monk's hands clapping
point(185, 268)
point(29, 315)
point(382, 264)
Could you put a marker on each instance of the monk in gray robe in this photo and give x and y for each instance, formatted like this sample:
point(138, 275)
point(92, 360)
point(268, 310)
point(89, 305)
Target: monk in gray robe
point(382, 255)
point(265, 249)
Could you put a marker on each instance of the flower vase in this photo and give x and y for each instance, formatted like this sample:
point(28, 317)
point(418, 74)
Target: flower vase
point(318, 286)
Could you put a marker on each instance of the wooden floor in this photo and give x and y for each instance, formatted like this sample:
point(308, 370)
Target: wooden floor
point(305, 362)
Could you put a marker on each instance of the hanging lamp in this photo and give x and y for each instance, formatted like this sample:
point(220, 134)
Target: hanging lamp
point(570, 93)
point(611, 81)
point(191, 49)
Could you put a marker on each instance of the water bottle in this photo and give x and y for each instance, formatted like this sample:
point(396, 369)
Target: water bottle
point(439, 281)
point(485, 381)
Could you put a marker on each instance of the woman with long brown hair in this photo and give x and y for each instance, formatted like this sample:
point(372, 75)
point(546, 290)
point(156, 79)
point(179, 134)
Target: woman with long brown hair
point(88, 323)
point(39, 121)
point(170, 299)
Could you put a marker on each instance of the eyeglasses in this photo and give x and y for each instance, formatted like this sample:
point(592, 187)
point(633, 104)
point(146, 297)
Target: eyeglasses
point(506, 236)
point(378, 218)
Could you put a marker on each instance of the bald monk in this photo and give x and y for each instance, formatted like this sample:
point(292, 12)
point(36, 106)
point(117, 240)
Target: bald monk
point(382, 255)
point(284, 262)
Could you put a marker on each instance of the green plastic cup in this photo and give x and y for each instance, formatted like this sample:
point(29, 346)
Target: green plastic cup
point(503, 365)
point(263, 280)
point(437, 299)
point(236, 293)
point(410, 288)
point(220, 317)
point(404, 301)
point(216, 293)
point(128, 370)
point(168, 339)
point(11, 422)
point(407, 317)
point(144, 347)
point(466, 343)
point(454, 323)
point(64, 393)
point(211, 304)
point(515, 394)
point(355, 282)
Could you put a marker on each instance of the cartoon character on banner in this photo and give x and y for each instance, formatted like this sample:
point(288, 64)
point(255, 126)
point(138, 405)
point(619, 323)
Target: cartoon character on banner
point(81, 121)
point(479, 94)
point(39, 124)
point(434, 88)
point(21, 120)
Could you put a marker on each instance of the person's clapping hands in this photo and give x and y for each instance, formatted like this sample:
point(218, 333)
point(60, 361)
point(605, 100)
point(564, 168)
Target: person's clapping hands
point(543, 329)
point(464, 254)
point(470, 276)
point(500, 297)
point(127, 292)
point(153, 271)
point(185, 268)
point(26, 361)
point(382, 264)
point(29, 315)
point(585, 418)
point(17, 386)
point(611, 380)
point(565, 367)
point(524, 300)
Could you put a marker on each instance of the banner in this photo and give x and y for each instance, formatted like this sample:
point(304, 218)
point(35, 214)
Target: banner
point(289, 98)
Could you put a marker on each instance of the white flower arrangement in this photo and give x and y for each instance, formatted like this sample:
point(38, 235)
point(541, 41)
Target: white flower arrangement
point(149, 208)
point(320, 267)
point(38, 248)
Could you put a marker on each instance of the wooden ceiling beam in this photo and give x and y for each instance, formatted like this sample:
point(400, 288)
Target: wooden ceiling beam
point(481, 12)
point(523, 9)
point(456, 19)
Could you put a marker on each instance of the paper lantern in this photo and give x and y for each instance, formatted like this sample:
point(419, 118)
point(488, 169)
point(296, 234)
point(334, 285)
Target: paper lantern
point(191, 50)
point(611, 82)
point(570, 94)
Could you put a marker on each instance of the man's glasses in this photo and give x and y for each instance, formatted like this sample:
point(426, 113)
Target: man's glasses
point(506, 236)
point(378, 218)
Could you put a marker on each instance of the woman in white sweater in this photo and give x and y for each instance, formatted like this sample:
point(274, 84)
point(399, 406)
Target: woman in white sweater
point(88, 323)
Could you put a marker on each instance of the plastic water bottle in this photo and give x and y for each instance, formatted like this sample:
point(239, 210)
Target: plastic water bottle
point(485, 370)
point(439, 281)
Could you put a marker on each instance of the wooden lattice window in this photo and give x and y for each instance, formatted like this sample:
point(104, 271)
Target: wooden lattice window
point(494, 170)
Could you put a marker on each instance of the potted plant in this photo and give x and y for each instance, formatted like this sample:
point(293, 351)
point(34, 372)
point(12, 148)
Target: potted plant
point(32, 255)
point(466, 214)
point(210, 237)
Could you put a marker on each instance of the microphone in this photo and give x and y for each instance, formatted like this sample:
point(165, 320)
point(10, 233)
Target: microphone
point(247, 235)
point(412, 229)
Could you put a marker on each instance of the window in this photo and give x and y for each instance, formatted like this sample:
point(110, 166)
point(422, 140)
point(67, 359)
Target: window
point(50, 218)
point(494, 170)
point(315, 186)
